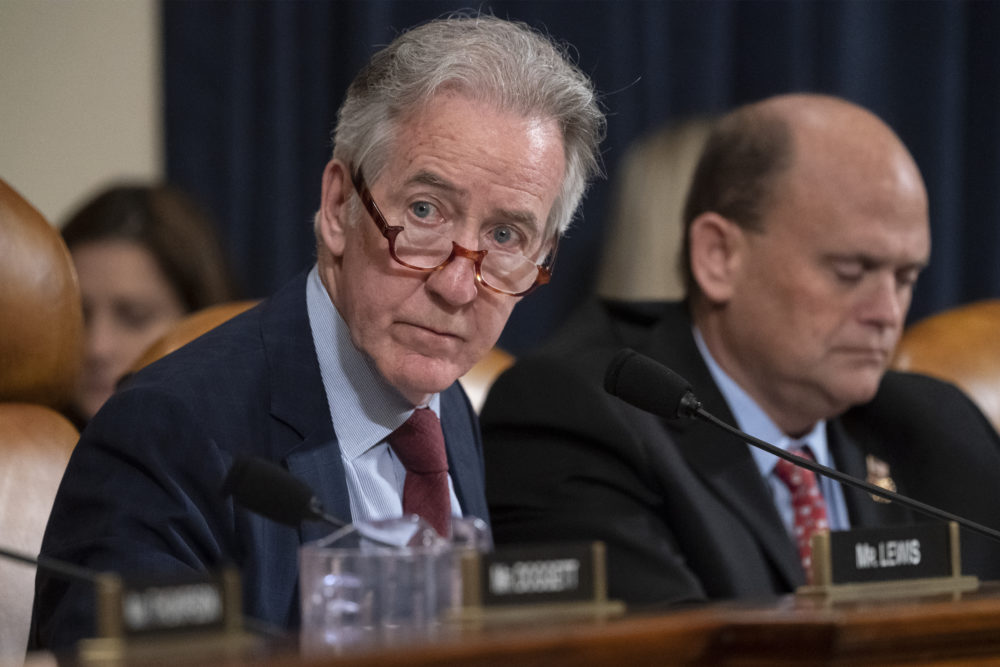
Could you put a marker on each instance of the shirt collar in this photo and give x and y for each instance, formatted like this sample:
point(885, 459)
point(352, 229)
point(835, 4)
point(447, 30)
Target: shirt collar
point(367, 408)
point(753, 420)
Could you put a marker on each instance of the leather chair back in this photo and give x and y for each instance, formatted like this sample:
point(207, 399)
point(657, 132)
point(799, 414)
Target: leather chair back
point(41, 355)
point(190, 327)
point(35, 446)
point(480, 378)
point(962, 346)
point(41, 345)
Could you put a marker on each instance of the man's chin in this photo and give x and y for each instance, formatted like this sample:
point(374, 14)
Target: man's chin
point(861, 392)
point(423, 377)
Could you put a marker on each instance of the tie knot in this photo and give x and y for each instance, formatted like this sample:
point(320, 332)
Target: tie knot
point(792, 475)
point(419, 443)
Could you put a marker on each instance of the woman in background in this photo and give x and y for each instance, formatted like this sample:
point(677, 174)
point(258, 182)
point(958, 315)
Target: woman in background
point(146, 255)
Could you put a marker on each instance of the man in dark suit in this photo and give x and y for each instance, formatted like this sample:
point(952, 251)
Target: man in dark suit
point(806, 226)
point(460, 154)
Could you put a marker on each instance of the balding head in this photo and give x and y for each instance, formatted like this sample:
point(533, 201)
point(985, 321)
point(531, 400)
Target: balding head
point(806, 228)
point(771, 149)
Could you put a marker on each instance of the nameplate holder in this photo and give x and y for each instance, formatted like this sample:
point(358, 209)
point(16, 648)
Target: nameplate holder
point(537, 579)
point(162, 616)
point(918, 559)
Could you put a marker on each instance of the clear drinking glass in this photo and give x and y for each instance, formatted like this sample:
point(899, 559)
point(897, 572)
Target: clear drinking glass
point(382, 582)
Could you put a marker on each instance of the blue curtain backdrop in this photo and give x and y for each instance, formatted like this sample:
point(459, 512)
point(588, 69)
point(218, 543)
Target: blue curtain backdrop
point(252, 89)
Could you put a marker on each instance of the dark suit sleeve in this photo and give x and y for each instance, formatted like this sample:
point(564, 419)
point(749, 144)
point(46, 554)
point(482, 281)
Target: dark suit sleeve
point(563, 463)
point(140, 496)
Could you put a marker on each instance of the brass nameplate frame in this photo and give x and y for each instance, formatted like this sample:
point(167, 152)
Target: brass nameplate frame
point(537, 579)
point(895, 561)
point(199, 612)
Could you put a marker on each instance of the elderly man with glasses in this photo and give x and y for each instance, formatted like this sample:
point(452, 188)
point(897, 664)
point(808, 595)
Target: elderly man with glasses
point(476, 137)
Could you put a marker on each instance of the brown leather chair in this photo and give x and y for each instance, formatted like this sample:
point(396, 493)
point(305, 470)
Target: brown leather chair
point(41, 354)
point(480, 378)
point(962, 346)
point(41, 346)
point(190, 327)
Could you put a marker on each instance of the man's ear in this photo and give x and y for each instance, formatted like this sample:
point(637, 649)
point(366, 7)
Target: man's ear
point(716, 247)
point(332, 223)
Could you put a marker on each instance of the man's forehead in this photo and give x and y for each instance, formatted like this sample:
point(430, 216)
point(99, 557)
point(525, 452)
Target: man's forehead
point(830, 222)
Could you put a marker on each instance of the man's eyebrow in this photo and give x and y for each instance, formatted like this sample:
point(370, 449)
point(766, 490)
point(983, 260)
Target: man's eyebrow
point(868, 260)
point(433, 180)
point(523, 217)
point(425, 177)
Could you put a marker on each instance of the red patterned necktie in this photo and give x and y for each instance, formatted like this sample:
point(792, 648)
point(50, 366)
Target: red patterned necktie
point(808, 505)
point(419, 445)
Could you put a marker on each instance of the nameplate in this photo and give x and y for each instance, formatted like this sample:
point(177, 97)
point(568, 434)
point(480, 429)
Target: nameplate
point(894, 553)
point(137, 607)
point(536, 574)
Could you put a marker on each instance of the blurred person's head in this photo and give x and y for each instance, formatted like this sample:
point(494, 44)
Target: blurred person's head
point(806, 227)
point(472, 131)
point(145, 256)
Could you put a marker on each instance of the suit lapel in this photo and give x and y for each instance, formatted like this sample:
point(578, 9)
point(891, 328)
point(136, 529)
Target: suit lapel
point(302, 434)
point(850, 458)
point(302, 430)
point(321, 467)
point(465, 462)
point(723, 463)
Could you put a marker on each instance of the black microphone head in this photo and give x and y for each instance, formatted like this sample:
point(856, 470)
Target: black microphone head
point(648, 385)
point(271, 491)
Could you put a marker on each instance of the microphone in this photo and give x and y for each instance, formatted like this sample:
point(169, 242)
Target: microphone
point(267, 489)
point(652, 387)
point(649, 386)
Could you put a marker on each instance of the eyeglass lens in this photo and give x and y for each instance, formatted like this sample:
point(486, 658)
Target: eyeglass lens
point(427, 249)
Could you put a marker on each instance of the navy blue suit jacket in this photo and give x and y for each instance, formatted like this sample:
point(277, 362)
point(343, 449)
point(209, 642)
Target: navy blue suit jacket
point(142, 492)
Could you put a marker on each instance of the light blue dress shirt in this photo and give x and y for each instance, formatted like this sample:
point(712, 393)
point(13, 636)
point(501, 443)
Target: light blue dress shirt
point(365, 409)
point(752, 419)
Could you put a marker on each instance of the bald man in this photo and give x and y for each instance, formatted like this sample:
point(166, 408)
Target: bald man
point(806, 227)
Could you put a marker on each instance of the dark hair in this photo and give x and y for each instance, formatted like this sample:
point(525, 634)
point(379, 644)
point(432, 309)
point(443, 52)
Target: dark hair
point(179, 233)
point(747, 152)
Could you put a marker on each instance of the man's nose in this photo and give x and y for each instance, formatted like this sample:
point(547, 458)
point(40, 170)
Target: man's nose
point(887, 303)
point(456, 282)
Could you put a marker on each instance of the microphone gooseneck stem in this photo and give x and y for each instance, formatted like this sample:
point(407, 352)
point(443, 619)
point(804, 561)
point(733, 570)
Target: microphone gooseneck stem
point(331, 520)
point(697, 411)
point(63, 568)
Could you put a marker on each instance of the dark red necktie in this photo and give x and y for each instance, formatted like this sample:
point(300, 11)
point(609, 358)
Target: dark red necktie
point(419, 445)
point(808, 505)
